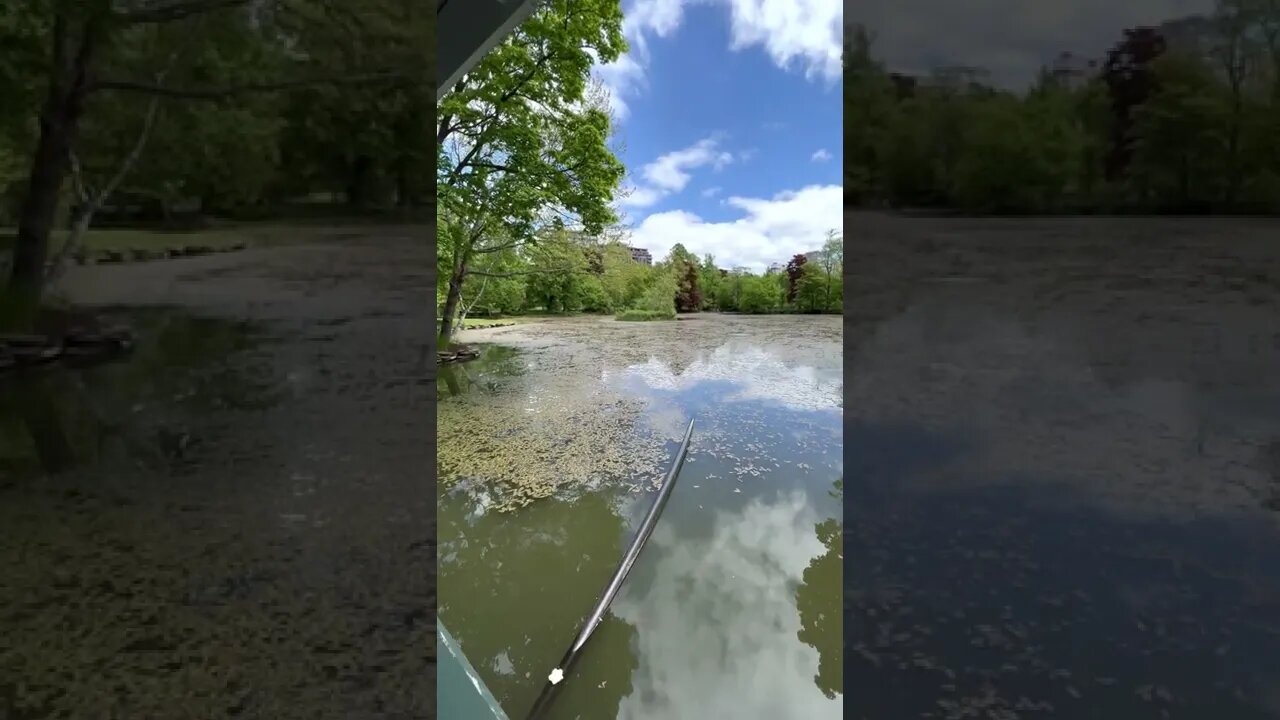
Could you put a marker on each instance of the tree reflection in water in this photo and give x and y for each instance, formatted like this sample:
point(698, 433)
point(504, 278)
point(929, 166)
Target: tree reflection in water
point(821, 612)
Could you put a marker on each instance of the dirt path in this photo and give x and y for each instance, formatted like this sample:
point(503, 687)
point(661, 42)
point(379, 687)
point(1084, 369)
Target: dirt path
point(253, 534)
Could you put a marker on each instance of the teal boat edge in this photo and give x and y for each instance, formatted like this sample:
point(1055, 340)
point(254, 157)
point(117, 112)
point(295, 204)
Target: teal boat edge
point(461, 694)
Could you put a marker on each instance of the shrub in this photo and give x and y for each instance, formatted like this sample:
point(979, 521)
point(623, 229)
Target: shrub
point(646, 315)
point(659, 297)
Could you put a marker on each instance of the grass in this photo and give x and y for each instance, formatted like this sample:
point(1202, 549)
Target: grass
point(644, 315)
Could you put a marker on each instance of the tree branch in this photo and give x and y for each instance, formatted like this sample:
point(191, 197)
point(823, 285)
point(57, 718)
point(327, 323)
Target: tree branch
point(497, 248)
point(234, 90)
point(178, 10)
point(517, 273)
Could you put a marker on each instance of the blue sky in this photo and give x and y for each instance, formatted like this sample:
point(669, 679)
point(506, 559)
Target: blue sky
point(728, 120)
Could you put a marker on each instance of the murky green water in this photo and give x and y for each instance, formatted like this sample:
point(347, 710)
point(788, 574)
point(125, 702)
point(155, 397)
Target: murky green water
point(734, 608)
point(203, 529)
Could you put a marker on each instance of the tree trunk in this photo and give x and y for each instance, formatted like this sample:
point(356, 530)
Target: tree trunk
point(451, 301)
point(59, 123)
point(358, 182)
point(1233, 147)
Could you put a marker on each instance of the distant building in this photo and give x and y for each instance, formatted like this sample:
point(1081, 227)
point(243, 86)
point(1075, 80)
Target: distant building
point(775, 267)
point(813, 256)
point(641, 255)
point(1073, 71)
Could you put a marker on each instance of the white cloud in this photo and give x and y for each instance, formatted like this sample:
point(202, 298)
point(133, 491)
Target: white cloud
point(768, 231)
point(640, 197)
point(804, 34)
point(711, 191)
point(620, 78)
point(821, 155)
point(670, 172)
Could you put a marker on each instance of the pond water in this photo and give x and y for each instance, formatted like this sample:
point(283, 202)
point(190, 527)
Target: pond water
point(1063, 498)
point(227, 522)
point(733, 609)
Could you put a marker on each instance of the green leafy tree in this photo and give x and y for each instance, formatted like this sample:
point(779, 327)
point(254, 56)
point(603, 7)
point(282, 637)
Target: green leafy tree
point(758, 294)
point(869, 110)
point(212, 51)
point(659, 296)
point(1179, 143)
point(521, 142)
point(622, 277)
point(555, 275)
point(709, 280)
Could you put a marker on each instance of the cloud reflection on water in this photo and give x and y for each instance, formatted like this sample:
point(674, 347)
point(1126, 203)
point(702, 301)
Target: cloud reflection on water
point(754, 372)
point(728, 647)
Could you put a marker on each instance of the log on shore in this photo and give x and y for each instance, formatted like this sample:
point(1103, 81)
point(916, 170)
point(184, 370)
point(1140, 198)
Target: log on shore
point(27, 350)
point(456, 355)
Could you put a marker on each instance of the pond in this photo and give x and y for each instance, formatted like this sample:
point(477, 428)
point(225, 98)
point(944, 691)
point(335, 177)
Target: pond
point(233, 520)
point(1065, 474)
point(550, 446)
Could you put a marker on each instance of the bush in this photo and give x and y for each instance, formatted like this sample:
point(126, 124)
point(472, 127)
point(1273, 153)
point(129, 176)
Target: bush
point(659, 297)
point(647, 315)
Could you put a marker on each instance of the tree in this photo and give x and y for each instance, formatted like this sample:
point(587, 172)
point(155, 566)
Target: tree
point(795, 267)
point(831, 257)
point(868, 112)
point(522, 145)
point(1130, 82)
point(659, 296)
point(812, 288)
point(622, 277)
point(758, 294)
point(709, 280)
point(554, 275)
point(93, 52)
point(684, 267)
point(1180, 152)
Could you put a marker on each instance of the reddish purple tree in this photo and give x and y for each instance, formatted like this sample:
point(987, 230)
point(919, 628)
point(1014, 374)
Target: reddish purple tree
point(1130, 82)
point(794, 269)
point(688, 295)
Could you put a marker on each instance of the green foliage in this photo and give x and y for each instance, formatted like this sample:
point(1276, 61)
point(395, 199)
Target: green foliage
point(1170, 130)
point(759, 294)
point(593, 298)
point(522, 143)
point(1179, 135)
point(623, 279)
point(556, 278)
point(642, 315)
point(659, 296)
point(520, 134)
